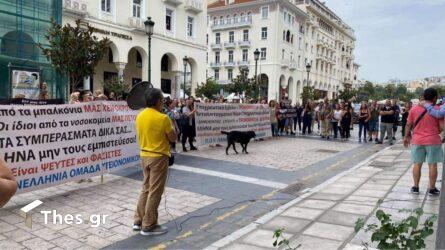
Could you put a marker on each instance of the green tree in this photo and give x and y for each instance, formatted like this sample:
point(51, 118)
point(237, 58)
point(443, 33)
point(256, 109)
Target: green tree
point(242, 84)
point(347, 93)
point(117, 86)
point(309, 93)
point(208, 89)
point(74, 51)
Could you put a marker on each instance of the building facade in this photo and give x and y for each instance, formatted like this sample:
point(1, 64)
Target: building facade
point(290, 35)
point(176, 35)
point(23, 68)
point(275, 27)
point(329, 48)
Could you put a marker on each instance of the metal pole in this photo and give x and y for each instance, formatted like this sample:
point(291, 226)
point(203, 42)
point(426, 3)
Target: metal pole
point(149, 58)
point(185, 69)
point(307, 81)
point(440, 241)
point(256, 80)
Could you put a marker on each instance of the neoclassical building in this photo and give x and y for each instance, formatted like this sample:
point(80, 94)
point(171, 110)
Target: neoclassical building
point(329, 48)
point(236, 28)
point(177, 34)
point(289, 35)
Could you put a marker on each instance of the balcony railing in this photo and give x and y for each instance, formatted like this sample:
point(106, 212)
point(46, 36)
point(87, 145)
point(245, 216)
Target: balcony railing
point(244, 43)
point(216, 46)
point(79, 7)
point(239, 23)
point(284, 63)
point(174, 2)
point(193, 5)
point(229, 45)
point(243, 63)
point(135, 22)
point(230, 64)
point(215, 64)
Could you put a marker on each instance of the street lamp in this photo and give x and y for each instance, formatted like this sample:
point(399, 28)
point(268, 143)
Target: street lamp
point(308, 70)
point(149, 24)
point(185, 61)
point(256, 56)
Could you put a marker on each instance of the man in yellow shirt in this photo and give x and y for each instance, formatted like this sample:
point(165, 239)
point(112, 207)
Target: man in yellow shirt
point(154, 131)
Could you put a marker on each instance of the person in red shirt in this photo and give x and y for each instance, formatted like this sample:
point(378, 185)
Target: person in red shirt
point(423, 133)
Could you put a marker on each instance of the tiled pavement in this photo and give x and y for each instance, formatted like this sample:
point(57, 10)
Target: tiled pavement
point(190, 194)
point(297, 156)
point(324, 218)
point(116, 198)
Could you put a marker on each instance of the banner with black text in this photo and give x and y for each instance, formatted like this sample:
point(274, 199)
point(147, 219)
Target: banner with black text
point(212, 118)
point(52, 144)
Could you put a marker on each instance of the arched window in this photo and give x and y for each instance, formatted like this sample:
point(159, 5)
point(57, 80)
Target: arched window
point(228, 20)
point(249, 16)
point(243, 17)
point(215, 20)
point(288, 36)
point(292, 39)
point(221, 20)
point(235, 18)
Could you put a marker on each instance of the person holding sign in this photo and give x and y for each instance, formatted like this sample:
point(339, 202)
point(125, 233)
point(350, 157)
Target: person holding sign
point(155, 132)
point(8, 185)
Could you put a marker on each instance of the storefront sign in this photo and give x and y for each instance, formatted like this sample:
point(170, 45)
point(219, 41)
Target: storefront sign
point(212, 118)
point(53, 144)
point(111, 33)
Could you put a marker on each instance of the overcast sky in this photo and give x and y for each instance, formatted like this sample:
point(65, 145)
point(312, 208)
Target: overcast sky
point(402, 39)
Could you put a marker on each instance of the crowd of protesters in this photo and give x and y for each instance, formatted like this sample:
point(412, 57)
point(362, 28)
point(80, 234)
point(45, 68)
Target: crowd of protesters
point(336, 119)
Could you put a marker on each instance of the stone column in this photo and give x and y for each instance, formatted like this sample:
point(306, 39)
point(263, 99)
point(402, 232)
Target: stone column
point(120, 67)
point(86, 83)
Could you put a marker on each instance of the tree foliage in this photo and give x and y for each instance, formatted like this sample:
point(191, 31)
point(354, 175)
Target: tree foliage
point(243, 84)
point(309, 93)
point(117, 86)
point(370, 91)
point(208, 89)
point(347, 93)
point(74, 51)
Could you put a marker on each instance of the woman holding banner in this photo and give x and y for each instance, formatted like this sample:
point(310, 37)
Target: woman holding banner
point(188, 116)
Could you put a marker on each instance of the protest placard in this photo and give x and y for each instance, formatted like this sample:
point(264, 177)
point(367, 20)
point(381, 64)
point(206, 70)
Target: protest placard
point(212, 118)
point(52, 144)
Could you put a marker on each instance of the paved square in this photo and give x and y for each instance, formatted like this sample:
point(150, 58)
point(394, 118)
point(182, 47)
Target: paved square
point(269, 153)
point(87, 199)
point(329, 231)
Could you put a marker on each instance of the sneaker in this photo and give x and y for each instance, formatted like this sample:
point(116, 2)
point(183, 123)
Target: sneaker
point(155, 230)
point(415, 190)
point(137, 227)
point(370, 139)
point(433, 192)
point(193, 148)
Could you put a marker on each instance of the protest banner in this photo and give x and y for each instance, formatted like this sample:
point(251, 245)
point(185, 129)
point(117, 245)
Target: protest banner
point(53, 144)
point(24, 101)
point(212, 118)
point(287, 113)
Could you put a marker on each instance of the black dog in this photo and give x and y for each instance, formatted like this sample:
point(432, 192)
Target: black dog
point(241, 137)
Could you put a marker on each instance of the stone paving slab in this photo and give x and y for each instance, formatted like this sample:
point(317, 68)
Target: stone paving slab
point(86, 199)
point(327, 214)
point(270, 153)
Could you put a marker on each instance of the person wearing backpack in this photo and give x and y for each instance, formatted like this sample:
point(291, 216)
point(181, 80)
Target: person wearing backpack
point(422, 132)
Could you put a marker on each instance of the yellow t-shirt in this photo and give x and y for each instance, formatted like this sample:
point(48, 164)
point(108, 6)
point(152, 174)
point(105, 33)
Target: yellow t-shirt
point(152, 128)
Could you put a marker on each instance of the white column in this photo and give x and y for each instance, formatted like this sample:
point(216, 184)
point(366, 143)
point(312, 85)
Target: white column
point(120, 67)
point(86, 83)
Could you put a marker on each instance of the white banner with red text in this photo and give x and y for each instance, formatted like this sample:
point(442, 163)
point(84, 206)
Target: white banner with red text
point(53, 144)
point(212, 118)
